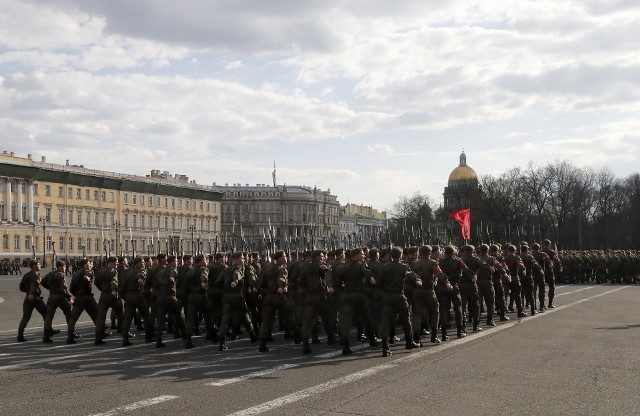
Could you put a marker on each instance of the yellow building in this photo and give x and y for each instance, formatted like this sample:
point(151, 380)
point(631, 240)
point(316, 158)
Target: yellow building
point(69, 211)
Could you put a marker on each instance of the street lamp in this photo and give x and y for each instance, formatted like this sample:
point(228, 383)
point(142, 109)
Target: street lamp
point(44, 240)
point(192, 228)
point(116, 224)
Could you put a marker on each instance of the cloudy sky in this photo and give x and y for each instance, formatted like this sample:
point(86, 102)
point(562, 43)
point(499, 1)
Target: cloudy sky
point(373, 99)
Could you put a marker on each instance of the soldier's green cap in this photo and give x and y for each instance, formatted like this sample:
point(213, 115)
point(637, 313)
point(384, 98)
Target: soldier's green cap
point(112, 259)
point(424, 250)
point(535, 246)
point(171, 258)
point(469, 248)
point(185, 257)
point(278, 254)
point(237, 255)
point(449, 250)
point(484, 248)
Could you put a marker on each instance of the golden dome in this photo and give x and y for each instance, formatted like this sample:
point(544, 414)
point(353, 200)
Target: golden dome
point(463, 172)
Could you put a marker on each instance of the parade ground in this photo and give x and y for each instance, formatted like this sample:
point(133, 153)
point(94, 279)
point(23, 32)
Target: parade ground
point(581, 358)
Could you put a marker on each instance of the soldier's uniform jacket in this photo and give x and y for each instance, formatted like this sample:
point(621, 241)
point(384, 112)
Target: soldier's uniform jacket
point(181, 282)
point(30, 284)
point(107, 280)
point(392, 277)
point(233, 274)
point(81, 283)
point(164, 282)
point(351, 277)
point(312, 278)
point(148, 283)
point(557, 264)
point(531, 265)
point(133, 282)
point(56, 283)
point(197, 276)
point(427, 270)
point(453, 268)
point(488, 266)
point(543, 260)
point(516, 266)
point(470, 274)
point(250, 277)
point(274, 277)
point(216, 278)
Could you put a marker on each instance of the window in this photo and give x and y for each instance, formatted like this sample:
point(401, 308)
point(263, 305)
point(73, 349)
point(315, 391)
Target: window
point(70, 243)
point(81, 243)
point(87, 194)
point(70, 222)
point(150, 220)
point(16, 242)
point(201, 206)
point(5, 241)
point(188, 204)
point(126, 197)
point(112, 218)
point(135, 220)
point(166, 222)
point(103, 196)
point(142, 220)
point(88, 218)
point(61, 244)
point(142, 200)
point(110, 196)
point(95, 195)
point(49, 241)
point(134, 199)
point(88, 244)
point(173, 223)
point(104, 218)
point(97, 217)
point(166, 202)
point(209, 224)
point(27, 241)
point(47, 190)
point(35, 189)
point(208, 206)
point(173, 203)
point(24, 212)
point(79, 217)
point(47, 214)
point(179, 203)
point(60, 192)
point(70, 193)
point(158, 202)
point(79, 193)
point(61, 216)
point(126, 220)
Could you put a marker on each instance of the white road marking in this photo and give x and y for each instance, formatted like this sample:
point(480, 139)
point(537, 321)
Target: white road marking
point(576, 291)
point(137, 405)
point(255, 374)
point(1, 300)
point(339, 351)
point(321, 388)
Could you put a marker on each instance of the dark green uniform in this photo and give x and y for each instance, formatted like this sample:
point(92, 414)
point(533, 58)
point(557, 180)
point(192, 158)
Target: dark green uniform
point(274, 286)
point(425, 300)
point(59, 297)
point(314, 286)
point(452, 268)
point(197, 280)
point(30, 284)
point(234, 304)
point(164, 287)
point(80, 288)
point(131, 291)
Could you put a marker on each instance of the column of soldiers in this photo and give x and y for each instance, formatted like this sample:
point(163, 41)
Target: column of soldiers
point(375, 291)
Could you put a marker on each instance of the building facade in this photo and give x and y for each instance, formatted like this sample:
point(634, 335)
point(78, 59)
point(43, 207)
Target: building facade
point(52, 210)
point(362, 225)
point(279, 216)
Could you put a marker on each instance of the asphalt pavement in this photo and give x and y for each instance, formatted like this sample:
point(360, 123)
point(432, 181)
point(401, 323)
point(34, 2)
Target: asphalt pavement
point(578, 359)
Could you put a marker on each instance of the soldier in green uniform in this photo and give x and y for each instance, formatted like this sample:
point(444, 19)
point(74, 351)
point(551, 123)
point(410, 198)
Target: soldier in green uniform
point(531, 267)
point(80, 288)
point(501, 279)
point(486, 289)
point(469, 287)
point(517, 271)
point(556, 270)
point(197, 281)
point(59, 297)
point(130, 290)
point(30, 285)
point(425, 300)
point(452, 268)
point(233, 301)
point(394, 303)
point(313, 283)
point(372, 290)
point(540, 271)
point(274, 285)
point(215, 289)
point(164, 287)
point(107, 282)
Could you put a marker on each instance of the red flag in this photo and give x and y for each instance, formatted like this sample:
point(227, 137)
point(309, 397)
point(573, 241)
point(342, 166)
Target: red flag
point(463, 216)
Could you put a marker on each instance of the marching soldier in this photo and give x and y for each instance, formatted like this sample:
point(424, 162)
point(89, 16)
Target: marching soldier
point(517, 271)
point(485, 282)
point(500, 279)
point(544, 267)
point(531, 266)
point(107, 282)
point(197, 281)
point(80, 288)
point(555, 271)
point(448, 290)
point(30, 284)
point(425, 301)
point(469, 287)
point(59, 297)
point(164, 287)
point(130, 290)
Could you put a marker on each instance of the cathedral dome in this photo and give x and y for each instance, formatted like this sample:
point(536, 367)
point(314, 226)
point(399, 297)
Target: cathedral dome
point(463, 172)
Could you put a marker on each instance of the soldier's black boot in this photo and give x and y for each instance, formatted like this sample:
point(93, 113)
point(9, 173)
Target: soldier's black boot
point(314, 337)
point(46, 338)
point(125, 341)
point(521, 313)
point(222, 346)
point(490, 321)
point(416, 338)
point(346, 350)
point(71, 339)
point(476, 325)
point(98, 340)
point(21, 337)
point(306, 349)
point(263, 345)
point(533, 310)
point(461, 333)
point(503, 317)
point(386, 351)
point(409, 344)
point(159, 343)
point(148, 337)
point(444, 332)
point(331, 339)
point(253, 337)
point(434, 336)
point(188, 344)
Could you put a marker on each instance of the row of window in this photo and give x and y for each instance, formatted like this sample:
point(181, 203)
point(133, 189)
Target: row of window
point(166, 202)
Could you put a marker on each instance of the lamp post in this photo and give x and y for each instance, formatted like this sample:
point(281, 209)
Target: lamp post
point(44, 240)
point(192, 228)
point(116, 224)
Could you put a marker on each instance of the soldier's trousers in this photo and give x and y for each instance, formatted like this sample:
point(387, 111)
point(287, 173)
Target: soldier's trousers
point(540, 287)
point(27, 309)
point(470, 298)
point(215, 304)
point(314, 304)
point(374, 300)
point(352, 303)
point(516, 288)
point(198, 303)
point(551, 282)
point(425, 300)
point(234, 308)
point(168, 305)
point(135, 302)
point(107, 300)
point(527, 290)
point(487, 294)
point(500, 299)
point(394, 305)
point(446, 299)
point(271, 303)
point(54, 302)
point(83, 303)
point(114, 312)
point(298, 306)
